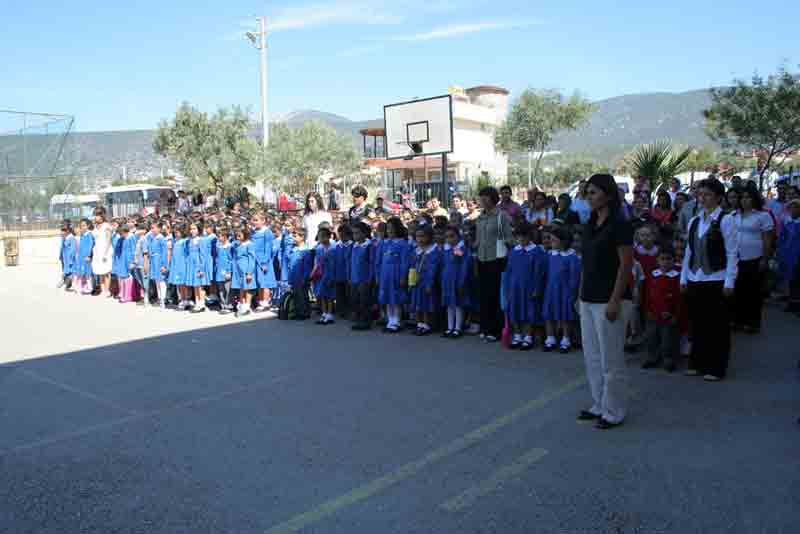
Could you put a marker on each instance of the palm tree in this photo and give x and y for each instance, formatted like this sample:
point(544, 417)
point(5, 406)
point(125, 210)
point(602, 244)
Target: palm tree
point(658, 161)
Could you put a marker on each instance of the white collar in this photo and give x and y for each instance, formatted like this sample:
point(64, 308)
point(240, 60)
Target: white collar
point(652, 251)
point(362, 245)
point(568, 252)
point(671, 274)
point(431, 248)
point(448, 247)
point(713, 216)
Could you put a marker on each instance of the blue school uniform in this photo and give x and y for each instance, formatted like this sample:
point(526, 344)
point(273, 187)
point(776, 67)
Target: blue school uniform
point(393, 269)
point(520, 288)
point(789, 249)
point(425, 295)
point(244, 257)
point(325, 287)
point(130, 249)
point(361, 263)
point(156, 256)
point(376, 246)
point(195, 269)
point(342, 260)
point(262, 241)
point(85, 247)
point(223, 263)
point(121, 260)
point(68, 254)
point(179, 262)
point(456, 274)
point(561, 289)
point(286, 248)
point(208, 248)
point(299, 264)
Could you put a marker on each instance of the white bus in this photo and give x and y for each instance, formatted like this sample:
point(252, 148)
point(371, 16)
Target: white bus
point(73, 207)
point(144, 199)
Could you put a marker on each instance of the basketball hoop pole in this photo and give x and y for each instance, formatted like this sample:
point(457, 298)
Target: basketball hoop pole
point(445, 188)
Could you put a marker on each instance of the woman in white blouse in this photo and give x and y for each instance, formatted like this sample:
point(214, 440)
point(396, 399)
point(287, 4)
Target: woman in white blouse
point(756, 240)
point(314, 215)
point(536, 210)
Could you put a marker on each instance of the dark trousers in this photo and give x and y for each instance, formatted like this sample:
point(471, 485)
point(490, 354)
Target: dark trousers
point(362, 303)
point(224, 293)
point(794, 290)
point(709, 317)
point(489, 276)
point(749, 294)
point(663, 342)
point(302, 308)
point(342, 299)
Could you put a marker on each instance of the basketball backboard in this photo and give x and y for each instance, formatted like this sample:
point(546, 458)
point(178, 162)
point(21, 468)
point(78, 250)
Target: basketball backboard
point(419, 127)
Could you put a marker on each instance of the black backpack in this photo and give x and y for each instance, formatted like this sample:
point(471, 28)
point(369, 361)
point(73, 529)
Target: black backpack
point(286, 309)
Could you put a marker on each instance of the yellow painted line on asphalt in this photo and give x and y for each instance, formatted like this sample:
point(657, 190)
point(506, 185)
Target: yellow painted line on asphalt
point(495, 482)
point(370, 489)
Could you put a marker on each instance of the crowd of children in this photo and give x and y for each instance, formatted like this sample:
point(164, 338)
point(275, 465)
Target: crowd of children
point(395, 270)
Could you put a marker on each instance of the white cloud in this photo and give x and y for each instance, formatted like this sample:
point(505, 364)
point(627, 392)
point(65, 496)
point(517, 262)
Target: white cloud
point(457, 30)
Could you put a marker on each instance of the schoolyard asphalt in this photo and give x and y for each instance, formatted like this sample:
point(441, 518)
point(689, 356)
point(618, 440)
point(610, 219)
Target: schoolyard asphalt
point(116, 419)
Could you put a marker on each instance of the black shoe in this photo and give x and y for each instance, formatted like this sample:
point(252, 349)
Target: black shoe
point(586, 415)
point(526, 346)
point(548, 348)
point(604, 424)
point(456, 334)
point(515, 344)
point(564, 350)
point(650, 364)
point(447, 334)
point(424, 332)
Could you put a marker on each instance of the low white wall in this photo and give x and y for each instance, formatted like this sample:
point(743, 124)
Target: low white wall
point(34, 250)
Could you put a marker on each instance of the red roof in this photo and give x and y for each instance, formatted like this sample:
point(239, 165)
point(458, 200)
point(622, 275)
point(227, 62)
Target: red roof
point(373, 132)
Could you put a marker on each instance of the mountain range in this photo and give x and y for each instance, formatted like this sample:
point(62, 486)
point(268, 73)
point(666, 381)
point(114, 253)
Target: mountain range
point(618, 124)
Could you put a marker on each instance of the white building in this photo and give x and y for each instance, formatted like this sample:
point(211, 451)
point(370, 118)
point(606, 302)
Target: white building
point(477, 113)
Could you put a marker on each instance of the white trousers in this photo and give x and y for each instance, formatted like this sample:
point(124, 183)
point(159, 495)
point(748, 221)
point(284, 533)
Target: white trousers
point(604, 354)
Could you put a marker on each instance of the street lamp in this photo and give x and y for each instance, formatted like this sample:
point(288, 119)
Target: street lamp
point(259, 40)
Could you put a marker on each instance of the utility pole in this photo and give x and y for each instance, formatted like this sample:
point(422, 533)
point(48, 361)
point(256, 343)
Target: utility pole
point(259, 40)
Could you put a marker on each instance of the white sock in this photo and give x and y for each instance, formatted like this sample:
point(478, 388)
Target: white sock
point(551, 340)
point(517, 337)
point(565, 342)
point(425, 326)
point(459, 319)
point(528, 339)
point(451, 318)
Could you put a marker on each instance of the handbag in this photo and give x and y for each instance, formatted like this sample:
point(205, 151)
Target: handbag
point(502, 249)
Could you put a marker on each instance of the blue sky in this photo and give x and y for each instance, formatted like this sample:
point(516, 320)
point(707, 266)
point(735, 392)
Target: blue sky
point(125, 65)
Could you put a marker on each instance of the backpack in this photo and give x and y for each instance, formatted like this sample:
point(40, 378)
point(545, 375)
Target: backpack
point(286, 309)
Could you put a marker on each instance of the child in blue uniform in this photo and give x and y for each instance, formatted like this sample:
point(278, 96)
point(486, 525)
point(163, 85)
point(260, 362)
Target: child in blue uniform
point(376, 246)
point(179, 265)
point(456, 281)
point(789, 255)
point(521, 290)
point(262, 240)
point(298, 267)
point(361, 276)
point(393, 278)
point(425, 294)
point(121, 260)
point(561, 290)
point(84, 268)
point(325, 265)
point(244, 269)
point(67, 256)
point(223, 270)
point(196, 269)
point(208, 247)
point(157, 262)
point(342, 261)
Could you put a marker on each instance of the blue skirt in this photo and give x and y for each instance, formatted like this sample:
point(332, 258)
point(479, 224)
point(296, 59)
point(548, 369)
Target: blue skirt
point(422, 302)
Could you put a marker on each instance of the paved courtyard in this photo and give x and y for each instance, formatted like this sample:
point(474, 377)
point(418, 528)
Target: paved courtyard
point(118, 419)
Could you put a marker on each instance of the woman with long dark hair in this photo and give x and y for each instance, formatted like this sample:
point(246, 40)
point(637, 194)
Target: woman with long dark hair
point(605, 301)
point(313, 216)
point(756, 244)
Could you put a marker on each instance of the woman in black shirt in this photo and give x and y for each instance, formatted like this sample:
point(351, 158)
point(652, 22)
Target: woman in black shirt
point(605, 301)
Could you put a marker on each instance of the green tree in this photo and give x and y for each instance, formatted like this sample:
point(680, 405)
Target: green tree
point(535, 118)
point(658, 161)
point(762, 115)
point(213, 152)
point(297, 158)
point(567, 172)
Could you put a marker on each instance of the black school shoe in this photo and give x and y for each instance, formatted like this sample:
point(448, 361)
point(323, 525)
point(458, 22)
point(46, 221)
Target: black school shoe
point(586, 415)
point(515, 344)
point(548, 348)
point(604, 424)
